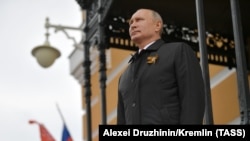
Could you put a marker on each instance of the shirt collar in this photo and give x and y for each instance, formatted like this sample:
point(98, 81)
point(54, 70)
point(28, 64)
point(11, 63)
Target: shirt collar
point(146, 46)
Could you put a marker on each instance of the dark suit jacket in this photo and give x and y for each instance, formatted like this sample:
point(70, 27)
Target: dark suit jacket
point(167, 91)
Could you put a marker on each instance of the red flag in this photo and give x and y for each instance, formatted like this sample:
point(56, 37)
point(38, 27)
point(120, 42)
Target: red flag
point(44, 133)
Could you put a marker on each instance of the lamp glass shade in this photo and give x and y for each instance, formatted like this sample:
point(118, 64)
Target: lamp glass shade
point(45, 55)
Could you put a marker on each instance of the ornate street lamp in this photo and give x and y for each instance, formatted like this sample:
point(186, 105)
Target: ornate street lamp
point(46, 54)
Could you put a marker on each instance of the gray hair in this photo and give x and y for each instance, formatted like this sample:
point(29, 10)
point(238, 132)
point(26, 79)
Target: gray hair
point(157, 17)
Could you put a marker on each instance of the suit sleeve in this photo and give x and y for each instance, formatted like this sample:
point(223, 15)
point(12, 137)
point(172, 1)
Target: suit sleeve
point(191, 86)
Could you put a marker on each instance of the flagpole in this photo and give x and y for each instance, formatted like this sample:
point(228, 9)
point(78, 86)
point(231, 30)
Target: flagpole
point(66, 135)
point(60, 113)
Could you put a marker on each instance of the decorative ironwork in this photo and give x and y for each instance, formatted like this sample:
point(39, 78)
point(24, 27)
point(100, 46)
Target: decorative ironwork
point(84, 3)
point(92, 10)
point(221, 49)
point(104, 8)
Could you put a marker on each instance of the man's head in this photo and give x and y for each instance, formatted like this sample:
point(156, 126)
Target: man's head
point(145, 26)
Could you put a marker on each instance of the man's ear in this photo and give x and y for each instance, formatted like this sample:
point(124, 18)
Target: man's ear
point(158, 26)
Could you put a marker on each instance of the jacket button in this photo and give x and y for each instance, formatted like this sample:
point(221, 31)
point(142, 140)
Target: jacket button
point(133, 104)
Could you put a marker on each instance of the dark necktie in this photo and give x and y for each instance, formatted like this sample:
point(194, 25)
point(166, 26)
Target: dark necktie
point(135, 56)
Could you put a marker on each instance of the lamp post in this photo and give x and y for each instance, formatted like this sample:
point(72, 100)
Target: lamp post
point(46, 54)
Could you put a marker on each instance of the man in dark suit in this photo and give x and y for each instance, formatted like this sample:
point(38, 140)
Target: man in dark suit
point(163, 83)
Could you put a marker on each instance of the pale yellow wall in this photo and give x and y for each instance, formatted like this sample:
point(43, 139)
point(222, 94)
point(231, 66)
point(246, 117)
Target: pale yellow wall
point(214, 70)
point(225, 102)
point(118, 56)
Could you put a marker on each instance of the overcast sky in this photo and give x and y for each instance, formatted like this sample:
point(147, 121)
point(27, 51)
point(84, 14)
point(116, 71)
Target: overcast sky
point(28, 91)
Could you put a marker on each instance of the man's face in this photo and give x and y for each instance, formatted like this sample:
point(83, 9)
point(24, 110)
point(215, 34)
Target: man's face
point(141, 26)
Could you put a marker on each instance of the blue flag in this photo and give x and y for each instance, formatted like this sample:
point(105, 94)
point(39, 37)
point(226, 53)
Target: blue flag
point(66, 135)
